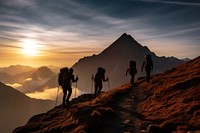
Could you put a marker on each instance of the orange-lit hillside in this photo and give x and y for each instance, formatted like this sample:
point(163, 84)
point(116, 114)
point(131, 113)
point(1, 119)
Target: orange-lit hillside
point(170, 101)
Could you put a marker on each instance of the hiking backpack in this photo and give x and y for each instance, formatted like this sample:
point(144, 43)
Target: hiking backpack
point(132, 67)
point(99, 75)
point(61, 76)
point(149, 62)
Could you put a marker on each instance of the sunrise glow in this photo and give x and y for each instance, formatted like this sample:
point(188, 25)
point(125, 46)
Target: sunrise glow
point(30, 47)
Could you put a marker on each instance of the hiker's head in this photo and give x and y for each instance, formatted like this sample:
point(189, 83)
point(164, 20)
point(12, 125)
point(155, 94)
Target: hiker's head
point(132, 63)
point(71, 70)
point(101, 70)
point(148, 57)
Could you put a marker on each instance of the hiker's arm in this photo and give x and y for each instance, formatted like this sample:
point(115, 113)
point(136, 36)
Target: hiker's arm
point(105, 79)
point(152, 65)
point(127, 71)
point(74, 80)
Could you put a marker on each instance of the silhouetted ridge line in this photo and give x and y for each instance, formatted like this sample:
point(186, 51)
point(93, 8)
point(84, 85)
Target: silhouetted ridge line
point(126, 39)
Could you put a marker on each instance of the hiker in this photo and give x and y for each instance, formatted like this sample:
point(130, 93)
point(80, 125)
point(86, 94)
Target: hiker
point(148, 65)
point(68, 82)
point(62, 82)
point(132, 70)
point(99, 77)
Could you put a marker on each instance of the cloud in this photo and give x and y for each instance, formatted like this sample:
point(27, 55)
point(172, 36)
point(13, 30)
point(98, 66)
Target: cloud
point(15, 85)
point(18, 3)
point(172, 2)
point(28, 79)
point(8, 46)
point(51, 94)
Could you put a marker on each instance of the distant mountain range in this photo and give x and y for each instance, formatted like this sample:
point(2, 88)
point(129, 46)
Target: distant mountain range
point(115, 59)
point(36, 79)
point(28, 81)
point(16, 69)
point(17, 108)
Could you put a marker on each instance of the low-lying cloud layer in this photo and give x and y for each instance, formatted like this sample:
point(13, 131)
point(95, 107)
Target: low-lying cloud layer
point(15, 85)
point(51, 94)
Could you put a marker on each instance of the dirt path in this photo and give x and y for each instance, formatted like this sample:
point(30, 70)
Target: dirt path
point(128, 114)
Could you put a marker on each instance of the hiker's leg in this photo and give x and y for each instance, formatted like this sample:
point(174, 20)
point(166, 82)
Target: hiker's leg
point(96, 87)
point(148, 74)
point(69, 94)
point(132, 79)
point(64, 95)
point(100, 88)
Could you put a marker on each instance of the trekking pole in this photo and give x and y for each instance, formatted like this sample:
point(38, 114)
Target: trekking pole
point(92, 83)
point(57, 96)
point(76, 87)
point(108, 84)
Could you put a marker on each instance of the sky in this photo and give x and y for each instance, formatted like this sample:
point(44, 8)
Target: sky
point(59, 32)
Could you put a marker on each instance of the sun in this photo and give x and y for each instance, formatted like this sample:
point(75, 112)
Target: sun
point(30, 47)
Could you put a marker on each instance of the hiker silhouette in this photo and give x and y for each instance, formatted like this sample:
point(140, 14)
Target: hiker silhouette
point(148, 65)
point(99, 77)
point(132, 70)
point(68, 84)
point(65, 78)
point(62, 82)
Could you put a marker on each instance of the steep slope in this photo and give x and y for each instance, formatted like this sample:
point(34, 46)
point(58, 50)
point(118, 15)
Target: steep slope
point(53, 82)
point(5, 78)
point(115, 59)
point(16, 108)
point(172, 98)
point(170, 102)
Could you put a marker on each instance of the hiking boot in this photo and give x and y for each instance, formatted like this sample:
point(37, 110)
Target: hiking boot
point(67, 102)
point(63, 105)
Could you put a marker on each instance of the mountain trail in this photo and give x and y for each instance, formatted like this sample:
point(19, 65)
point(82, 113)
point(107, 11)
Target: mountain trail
point(127, 111)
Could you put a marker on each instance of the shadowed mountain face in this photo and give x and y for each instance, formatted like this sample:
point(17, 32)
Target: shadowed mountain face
point(16, 108)
point(115, 59)
point(170, 101)
point(42, 73)
point(36, 79)
point(53, 82)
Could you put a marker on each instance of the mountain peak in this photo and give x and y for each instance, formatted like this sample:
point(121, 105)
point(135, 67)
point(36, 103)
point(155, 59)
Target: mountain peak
point(43, 68)
point(127, 40)
point(124, 34)
point(43, 72)
point(125, 43)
